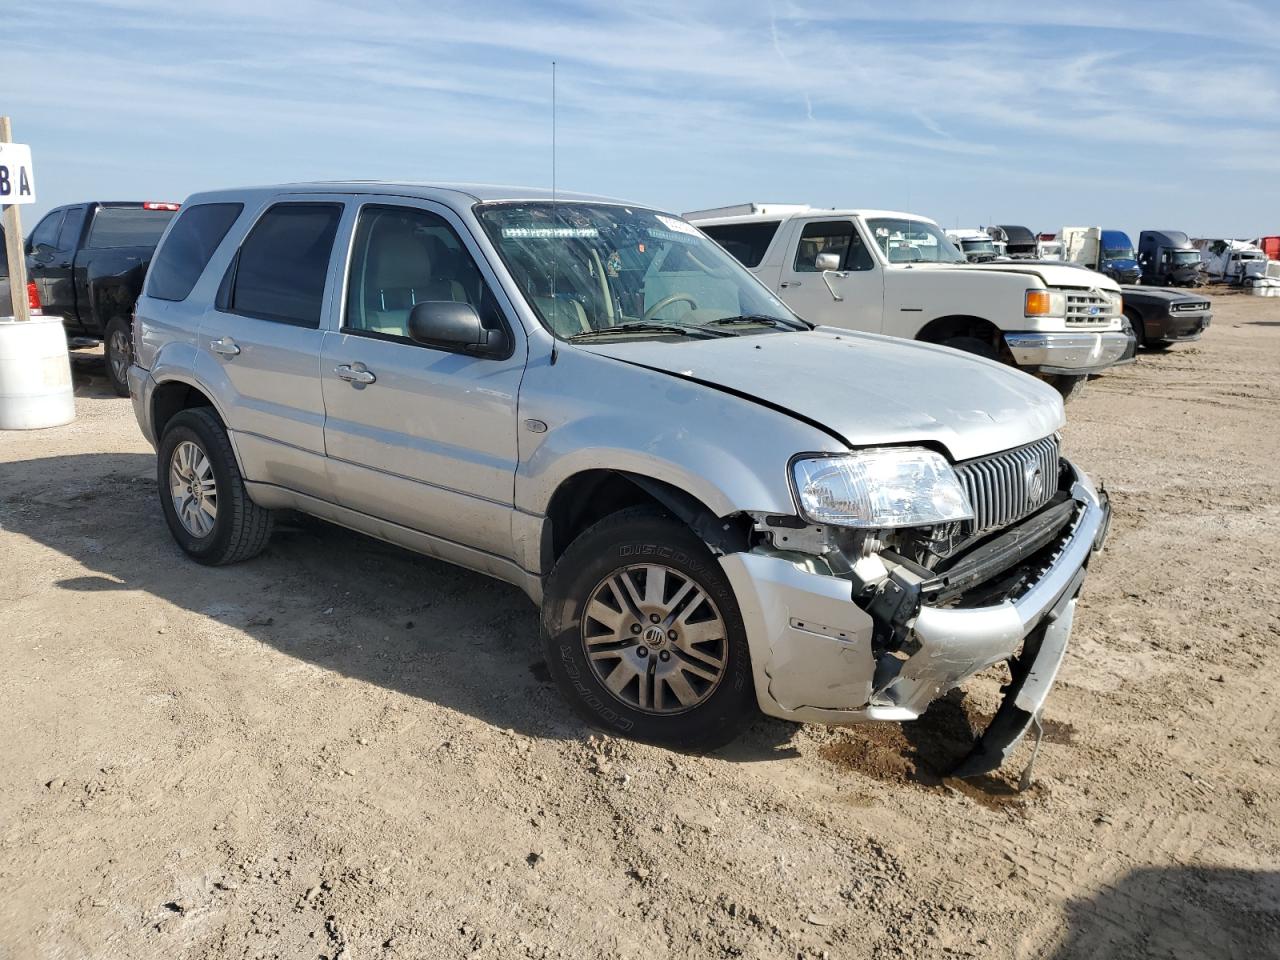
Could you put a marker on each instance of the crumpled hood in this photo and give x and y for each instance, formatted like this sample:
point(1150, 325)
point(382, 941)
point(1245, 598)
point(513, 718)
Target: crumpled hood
point(1053, 274)
point(868, 390)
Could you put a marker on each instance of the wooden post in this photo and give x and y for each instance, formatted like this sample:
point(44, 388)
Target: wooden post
point(13, 245)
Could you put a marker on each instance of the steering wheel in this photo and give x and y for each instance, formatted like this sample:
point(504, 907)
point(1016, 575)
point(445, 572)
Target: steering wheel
point(666, 302)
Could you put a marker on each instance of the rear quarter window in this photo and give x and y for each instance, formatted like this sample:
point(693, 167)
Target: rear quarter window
point(188, 247)
point(127, 227)
point(747, 242)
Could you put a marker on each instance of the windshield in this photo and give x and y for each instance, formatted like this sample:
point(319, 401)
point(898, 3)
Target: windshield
point(913, 241)
point(1118, 253)
point(1186, 256)
point(978, 246)
point(589, 269)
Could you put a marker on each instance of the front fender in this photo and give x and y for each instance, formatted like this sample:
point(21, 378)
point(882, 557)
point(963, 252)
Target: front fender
point(729, 452)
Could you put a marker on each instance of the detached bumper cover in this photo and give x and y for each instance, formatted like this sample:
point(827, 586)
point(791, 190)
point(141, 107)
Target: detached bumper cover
point(1072, 352)
point(812, 653)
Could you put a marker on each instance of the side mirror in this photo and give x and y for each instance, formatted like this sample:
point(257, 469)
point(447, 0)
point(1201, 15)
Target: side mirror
point(448, 325)
point(827, 261)
point(41, 251)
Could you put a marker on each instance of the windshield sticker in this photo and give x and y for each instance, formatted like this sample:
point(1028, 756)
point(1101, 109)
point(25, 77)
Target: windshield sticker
point(613, 266)
point(679, 226)
point(548, 233)
point(668, 235)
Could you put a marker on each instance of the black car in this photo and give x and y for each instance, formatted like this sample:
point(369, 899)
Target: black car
point(1161, 316)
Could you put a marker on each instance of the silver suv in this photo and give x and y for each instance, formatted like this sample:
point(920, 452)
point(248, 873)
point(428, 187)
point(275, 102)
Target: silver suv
point(715, 503)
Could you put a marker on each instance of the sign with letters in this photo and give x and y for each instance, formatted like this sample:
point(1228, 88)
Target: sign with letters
point(17, 181)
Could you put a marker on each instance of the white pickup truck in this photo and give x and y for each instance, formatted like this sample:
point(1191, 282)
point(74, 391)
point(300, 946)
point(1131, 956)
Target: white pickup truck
point(893, 273)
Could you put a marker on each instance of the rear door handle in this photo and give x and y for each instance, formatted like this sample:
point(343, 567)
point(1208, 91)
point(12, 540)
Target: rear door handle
point(346, 372)
point(225, 346)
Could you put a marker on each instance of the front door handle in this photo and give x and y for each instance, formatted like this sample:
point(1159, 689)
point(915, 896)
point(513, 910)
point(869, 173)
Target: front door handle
point(347, 372)
point(224, 346)
point(789, 283)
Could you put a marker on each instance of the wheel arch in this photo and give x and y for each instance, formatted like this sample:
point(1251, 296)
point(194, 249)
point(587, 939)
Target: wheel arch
point(942, 329)
point(589, 496)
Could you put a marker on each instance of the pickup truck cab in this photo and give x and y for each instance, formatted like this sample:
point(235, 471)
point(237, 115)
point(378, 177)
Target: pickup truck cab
point(716, 505)
point(88, 261)
point(896, 273)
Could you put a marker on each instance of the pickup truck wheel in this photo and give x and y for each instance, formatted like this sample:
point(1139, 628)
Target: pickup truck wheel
point(1068, 384)
point(972, 345)
point(643, 635)
point(202, 493)
point(117, 346)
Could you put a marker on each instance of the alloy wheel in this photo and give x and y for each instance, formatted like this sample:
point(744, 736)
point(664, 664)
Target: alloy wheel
point(655, 639)
point(193, 489)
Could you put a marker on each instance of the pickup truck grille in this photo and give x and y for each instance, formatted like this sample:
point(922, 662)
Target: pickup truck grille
point(1089, 308)
point(1005, 487)
point(1193, 306)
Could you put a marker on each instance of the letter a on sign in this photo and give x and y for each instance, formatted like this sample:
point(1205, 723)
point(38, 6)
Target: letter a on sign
point(17, 179)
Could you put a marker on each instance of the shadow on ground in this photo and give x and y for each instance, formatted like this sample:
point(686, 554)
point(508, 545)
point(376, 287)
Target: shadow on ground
point(1187, 913)
point(319, 593)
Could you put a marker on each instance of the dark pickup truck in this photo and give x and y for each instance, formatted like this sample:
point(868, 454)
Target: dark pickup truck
point(1161, 316)
point(88, 261)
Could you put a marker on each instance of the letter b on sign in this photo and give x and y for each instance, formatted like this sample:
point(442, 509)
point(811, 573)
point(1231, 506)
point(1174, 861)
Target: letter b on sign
point(17, 181)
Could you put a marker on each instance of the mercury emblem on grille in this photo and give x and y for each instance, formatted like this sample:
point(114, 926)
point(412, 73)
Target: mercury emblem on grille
point(1035, 482)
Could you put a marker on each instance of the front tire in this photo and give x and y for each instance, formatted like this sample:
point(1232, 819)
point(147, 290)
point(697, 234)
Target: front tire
point(203, 495)
point(977, 347)
point(643, 635)
point(117, 348)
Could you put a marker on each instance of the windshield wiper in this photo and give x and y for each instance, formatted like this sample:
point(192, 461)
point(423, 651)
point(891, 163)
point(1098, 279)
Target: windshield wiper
point(639, 326)
point(759, 319)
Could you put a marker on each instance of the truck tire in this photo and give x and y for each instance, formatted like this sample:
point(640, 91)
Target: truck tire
point(643, 635)
point(117, 348)
point(202, 493)
point(1067, 384)
point(972, 345)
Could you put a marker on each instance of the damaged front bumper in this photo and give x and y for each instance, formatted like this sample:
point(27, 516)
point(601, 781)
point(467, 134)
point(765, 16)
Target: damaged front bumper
point(815, 659)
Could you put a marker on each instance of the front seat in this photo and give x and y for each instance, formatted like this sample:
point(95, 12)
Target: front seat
point(399, 275)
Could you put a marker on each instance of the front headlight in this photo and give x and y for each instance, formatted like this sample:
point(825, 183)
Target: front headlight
point(889, 487)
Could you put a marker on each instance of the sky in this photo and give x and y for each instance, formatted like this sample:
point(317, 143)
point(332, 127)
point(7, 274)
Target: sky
point(1132, 115)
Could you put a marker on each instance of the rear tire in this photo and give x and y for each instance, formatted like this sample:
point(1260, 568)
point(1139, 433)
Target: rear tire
point(1069, 385)
point(658, 660)
point(117, 348)
point(202, 493)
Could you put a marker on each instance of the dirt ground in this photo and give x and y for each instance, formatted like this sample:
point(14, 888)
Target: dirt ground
point(343, 750)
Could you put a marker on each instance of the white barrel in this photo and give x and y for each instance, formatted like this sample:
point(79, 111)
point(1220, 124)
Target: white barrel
point(35, 374)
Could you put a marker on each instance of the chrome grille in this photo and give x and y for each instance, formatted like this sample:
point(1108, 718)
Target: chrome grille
point(1001, 487)
point(1089, 308)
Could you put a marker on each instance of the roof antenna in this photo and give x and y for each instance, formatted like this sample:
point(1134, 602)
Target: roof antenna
point(555, 343)
point(553, 134)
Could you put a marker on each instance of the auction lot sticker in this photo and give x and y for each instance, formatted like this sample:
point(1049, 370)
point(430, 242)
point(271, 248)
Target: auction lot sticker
point(17, 182)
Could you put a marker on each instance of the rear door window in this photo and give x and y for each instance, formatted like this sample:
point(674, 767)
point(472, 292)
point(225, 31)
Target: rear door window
point(746, 241)
point(69, 235)
point(281, 267)
point(127, 227)
point(186, 251)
